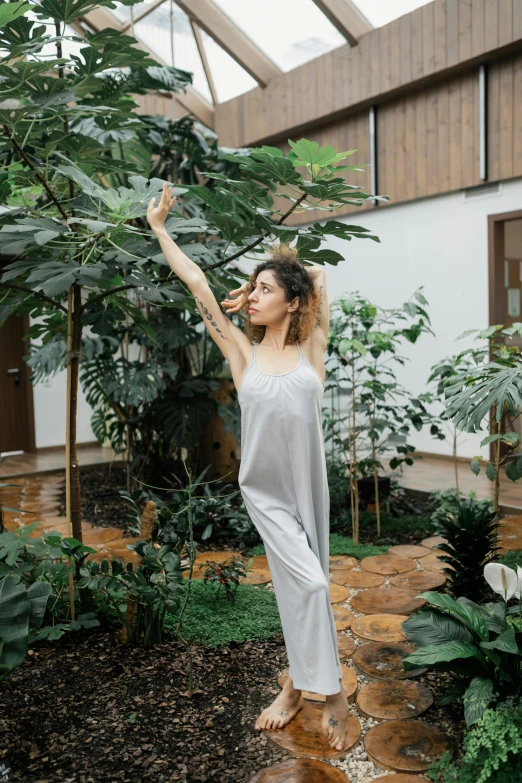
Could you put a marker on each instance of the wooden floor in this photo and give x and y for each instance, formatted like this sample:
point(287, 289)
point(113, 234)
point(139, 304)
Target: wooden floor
point(430, 473)
point(51, 461)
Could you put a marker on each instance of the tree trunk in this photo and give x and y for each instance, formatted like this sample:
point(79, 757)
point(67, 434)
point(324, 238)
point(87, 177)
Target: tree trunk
point(73, 360)
point(353, 463)
point(455, 464)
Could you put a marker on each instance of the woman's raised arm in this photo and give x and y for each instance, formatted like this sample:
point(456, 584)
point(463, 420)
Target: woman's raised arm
point(232, 342)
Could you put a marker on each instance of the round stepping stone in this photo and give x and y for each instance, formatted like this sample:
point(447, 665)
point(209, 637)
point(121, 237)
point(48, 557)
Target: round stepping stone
point(404, 745)
point(433, 541)
point(338, 593)
point(419, 580)
point(346, 646)
point(349, 682)
point(357, 579)
point(380, 627)
point(258, 561)
point(343, 561)
point(258, 577)
point(302, 770)
point(387, 565)
point(386, 600)
point(383, 660)
point(409, 550)
point(303, 735)
point(343, 617)
point(393, 699)
point(433, 563)
point(100, 535)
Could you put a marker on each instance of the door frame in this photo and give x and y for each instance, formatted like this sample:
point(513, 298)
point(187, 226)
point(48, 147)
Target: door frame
point(496, 271)
point(29, 446)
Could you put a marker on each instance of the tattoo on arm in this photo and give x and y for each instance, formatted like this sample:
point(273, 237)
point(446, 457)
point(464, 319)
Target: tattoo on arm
point(319, 309)
point(208, 316)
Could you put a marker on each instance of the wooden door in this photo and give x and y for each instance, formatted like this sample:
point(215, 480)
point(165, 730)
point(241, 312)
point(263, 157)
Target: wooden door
point(505, 287)
point(16, 393)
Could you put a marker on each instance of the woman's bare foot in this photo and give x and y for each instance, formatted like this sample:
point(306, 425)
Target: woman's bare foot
point(335, 719)
point(284, 707)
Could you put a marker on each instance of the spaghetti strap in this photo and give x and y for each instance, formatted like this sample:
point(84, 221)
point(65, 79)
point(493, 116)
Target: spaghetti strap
point(300, 349)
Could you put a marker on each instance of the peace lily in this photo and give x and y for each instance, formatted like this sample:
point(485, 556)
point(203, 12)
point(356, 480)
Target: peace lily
point(503, 580)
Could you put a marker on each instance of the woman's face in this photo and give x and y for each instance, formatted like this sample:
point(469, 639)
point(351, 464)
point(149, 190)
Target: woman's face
point(268, 299)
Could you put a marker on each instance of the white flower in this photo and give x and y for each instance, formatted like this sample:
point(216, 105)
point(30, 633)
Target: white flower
point(503, 580)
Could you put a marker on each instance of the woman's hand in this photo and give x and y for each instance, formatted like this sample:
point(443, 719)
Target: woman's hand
point(157, 215)
point(234, 305)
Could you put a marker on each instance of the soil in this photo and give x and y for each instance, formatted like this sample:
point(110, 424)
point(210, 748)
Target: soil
point(85, 709)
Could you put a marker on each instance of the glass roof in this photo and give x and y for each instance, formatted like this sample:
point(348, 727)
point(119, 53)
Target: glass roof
point(288, 32)
point(381, 12)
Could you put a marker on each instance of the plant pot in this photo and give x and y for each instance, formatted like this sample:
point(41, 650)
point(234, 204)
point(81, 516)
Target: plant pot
point(367, 488)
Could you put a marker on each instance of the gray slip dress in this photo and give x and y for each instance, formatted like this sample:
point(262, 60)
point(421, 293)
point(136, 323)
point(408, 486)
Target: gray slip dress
point(283, 482)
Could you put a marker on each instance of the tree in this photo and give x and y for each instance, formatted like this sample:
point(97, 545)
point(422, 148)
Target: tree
point(75, 205)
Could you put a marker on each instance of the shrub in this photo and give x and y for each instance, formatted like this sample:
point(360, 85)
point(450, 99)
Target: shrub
point(471, 536)
point(492, 750)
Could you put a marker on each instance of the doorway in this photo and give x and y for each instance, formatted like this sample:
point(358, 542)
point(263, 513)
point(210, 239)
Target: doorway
point(505, 286)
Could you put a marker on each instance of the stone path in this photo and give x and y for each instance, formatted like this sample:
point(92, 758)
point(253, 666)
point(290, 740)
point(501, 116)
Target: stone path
point(370, 601)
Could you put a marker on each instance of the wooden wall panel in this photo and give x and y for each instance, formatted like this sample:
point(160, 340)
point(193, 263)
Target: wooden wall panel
point(505, 119)
point(428, 141)
point(438, 40)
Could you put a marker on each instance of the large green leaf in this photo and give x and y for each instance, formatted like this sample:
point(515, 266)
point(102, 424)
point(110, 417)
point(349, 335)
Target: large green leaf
point(466, 612)
point(10, 11)
point(505, 642)
point(439, 653)
point(476, 699)
point(429, 626)
point(472, 394)
point(15, 611)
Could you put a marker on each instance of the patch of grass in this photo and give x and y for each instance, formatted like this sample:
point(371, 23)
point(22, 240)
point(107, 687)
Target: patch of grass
point(339, 545)
point(214, 621)
point(342, 545)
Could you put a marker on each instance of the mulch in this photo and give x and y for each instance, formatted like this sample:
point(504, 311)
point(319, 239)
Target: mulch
point(85, 709)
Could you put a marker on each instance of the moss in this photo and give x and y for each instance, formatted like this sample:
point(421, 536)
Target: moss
point(214, 621)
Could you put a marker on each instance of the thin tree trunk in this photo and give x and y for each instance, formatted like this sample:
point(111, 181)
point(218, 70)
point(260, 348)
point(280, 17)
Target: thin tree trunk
point(67, 453)
point(455, 463)
point(353, 462)
point(497, 462)
point(73, 360)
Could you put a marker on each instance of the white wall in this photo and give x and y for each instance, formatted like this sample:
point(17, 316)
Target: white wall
point(440, 243)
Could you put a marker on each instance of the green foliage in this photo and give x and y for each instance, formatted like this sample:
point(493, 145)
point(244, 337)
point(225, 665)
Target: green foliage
point(476, 642)
point(155, 587)
point(471, 535)
point(512, 559)
point(226, 572)
point(253, 616)
point(492, 750)
point(339, 545)
point(446, 502)
point(363, 346)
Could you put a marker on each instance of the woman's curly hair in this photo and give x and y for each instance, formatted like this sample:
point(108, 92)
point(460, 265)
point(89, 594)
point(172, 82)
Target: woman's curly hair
point(291, 275)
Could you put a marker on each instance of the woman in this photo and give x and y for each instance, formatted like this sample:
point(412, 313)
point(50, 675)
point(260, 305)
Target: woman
point(282, 476)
